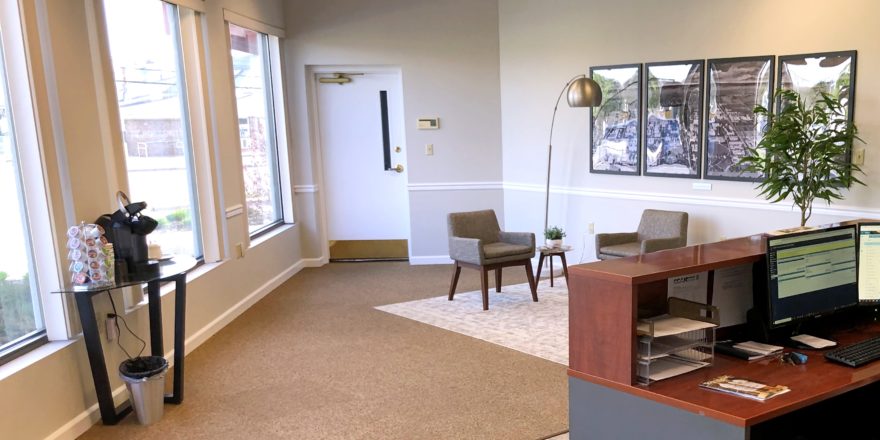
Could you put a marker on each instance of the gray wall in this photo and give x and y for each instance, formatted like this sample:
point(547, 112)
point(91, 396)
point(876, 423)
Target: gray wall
point(448, 54)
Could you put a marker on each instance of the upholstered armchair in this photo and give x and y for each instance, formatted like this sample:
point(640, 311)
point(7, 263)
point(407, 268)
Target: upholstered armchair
point(658, 230)
point(476, 241)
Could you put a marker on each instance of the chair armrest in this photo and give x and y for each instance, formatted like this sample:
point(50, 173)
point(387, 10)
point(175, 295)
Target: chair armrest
point(659, 244)
point(520, 238)
point(469, 250)
point(615, 238)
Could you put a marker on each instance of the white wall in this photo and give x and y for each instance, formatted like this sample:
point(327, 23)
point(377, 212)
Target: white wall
point(543, 44)
point(448, 54)
point(53, 394)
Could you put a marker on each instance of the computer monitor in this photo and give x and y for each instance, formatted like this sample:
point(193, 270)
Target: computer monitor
point(811, 274)
point(869, 263)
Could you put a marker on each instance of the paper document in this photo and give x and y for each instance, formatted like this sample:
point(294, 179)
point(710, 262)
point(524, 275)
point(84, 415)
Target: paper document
point(744, 387)
point(667, 367)
point(671, 325)
point(812, 341)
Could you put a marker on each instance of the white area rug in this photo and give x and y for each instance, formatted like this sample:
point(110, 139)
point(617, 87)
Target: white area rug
point(513, 319)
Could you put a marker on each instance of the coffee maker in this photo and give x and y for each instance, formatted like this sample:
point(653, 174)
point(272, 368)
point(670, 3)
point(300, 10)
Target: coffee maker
point(127, 229)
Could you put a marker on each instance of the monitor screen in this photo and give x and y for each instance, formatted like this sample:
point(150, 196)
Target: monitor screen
point(811, 273)
point(869, 263)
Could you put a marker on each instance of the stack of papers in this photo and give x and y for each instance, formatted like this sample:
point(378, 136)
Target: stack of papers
point(671, 325)
point(758, 348)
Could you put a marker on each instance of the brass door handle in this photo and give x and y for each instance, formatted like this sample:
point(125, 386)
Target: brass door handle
point(398, 168)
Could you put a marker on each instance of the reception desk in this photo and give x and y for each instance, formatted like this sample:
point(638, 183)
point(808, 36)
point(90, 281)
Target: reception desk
point(606, 298)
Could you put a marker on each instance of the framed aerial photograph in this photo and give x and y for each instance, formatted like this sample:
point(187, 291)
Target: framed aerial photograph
point(616, 124)
point(673, 115)
point(830, 72)
point(734, 87)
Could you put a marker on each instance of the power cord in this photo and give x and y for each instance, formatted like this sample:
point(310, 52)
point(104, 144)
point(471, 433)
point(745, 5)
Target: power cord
point(116, 320)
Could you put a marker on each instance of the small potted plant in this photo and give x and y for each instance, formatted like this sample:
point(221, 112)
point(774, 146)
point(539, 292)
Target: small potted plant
point(553, 236)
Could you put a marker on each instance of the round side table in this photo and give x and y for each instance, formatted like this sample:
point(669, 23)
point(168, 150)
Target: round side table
point(549, 253)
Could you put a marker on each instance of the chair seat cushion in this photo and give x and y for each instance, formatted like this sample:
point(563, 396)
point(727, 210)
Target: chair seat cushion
point(622, 250)
point(500, 250)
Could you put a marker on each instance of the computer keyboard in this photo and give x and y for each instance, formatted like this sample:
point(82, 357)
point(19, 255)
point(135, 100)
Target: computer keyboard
point(857, 354)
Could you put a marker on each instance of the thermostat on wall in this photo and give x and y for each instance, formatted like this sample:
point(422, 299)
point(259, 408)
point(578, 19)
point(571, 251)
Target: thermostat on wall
point(429, 123)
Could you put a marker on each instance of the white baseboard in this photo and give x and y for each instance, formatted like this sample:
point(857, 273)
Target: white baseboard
point(86, 419)
point(430, 259)
point(82, 422)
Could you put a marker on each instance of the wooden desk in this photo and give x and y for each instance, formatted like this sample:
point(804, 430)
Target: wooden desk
point(605, 402)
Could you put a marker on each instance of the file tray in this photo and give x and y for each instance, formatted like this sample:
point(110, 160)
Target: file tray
point(680, 341)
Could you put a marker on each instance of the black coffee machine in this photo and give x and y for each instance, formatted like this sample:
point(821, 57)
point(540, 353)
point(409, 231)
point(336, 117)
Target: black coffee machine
point(127, 229)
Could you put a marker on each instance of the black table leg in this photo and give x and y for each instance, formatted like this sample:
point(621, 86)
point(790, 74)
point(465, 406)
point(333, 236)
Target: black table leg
point(550, 257)
point(179, 338)
point(155, 307)
point(92, 338)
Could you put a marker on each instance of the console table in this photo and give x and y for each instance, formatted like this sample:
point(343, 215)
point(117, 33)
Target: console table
point(606, 299)
point(171, 270)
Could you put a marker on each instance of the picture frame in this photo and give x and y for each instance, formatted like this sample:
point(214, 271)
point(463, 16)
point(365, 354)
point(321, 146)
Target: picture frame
point(830, 72)
point(616, 125)
point(673, 119)
point(734, 86)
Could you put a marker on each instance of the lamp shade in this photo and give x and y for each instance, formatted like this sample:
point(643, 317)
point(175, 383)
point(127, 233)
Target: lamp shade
point(584, 92)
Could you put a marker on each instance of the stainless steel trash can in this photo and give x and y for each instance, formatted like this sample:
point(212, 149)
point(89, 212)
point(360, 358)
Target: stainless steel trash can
point(145, 379)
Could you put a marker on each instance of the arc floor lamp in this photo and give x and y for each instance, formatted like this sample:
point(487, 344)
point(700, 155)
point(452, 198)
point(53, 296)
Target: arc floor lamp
point(582, 92)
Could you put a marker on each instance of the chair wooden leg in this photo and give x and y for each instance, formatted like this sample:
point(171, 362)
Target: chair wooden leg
point(484, 284)
point(532, 284)
point(498, 280)
point(455, 273)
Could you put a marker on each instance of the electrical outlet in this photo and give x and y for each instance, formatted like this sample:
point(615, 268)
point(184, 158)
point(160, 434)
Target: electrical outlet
point(592, 228)
point(429, 149)
point(112, 329)
point(858, 156)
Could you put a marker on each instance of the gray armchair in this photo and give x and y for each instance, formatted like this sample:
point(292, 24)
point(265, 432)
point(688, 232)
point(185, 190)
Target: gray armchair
point(476, 241)
point(658, 230)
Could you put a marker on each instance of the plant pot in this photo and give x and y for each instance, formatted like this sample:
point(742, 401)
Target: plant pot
point(553, 243)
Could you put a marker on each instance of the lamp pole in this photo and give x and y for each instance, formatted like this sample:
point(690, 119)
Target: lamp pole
point(550, 144)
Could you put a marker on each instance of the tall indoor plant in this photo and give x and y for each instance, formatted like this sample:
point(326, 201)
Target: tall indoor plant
point(803, 154)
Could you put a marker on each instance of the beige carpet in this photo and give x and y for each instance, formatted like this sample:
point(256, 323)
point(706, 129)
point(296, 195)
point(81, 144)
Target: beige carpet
point(315, 360)
point(513, 319)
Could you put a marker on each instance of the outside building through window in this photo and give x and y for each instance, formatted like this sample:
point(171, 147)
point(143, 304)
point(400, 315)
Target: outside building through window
point(144, 39)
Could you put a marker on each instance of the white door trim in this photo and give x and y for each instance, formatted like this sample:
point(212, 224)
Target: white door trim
point(312, 72)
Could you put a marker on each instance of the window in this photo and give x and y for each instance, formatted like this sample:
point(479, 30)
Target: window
point(145, 50)
point(21, 319)
point(257, 127)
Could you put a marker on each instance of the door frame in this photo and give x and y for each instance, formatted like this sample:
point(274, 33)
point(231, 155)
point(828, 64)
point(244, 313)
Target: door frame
point(312, 72)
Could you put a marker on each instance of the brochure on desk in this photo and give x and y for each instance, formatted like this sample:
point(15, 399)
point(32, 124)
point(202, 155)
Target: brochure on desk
point(742, 387)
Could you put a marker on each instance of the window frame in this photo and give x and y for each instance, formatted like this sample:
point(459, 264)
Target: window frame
point(42, 198)
point(276, 112)
point(196, 123)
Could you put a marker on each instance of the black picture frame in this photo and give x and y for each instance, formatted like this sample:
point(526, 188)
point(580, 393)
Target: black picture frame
point(734, 86)
point(616, 125)
point(830, 72)
point(673, 118)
